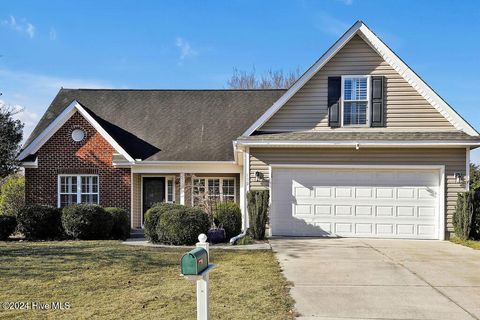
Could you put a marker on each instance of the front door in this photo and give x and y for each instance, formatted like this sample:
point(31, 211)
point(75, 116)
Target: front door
point(153, 192)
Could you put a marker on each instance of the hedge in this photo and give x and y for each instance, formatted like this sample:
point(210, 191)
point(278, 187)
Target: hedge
point(257, 202)
point(87, 222)
point(40, 222)
point(182, 225)
point(121, 223)
point(7, 226)
point(152, 217)
point(228, 216)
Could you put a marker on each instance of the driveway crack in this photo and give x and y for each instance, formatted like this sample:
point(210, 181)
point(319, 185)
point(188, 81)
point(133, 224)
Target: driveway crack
point(420, 278)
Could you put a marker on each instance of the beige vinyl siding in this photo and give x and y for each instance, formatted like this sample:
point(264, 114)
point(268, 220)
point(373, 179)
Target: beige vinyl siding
point(405, 107)
point(453, 159)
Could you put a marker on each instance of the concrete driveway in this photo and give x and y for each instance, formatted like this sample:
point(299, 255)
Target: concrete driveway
point(381, 279)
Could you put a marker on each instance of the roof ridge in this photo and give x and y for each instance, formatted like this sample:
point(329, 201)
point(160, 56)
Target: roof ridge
point(173, 90)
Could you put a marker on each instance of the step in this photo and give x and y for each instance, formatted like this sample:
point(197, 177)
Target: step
point(137, 233)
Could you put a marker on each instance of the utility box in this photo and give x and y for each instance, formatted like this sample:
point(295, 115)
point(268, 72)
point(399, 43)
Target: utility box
point(194, 262)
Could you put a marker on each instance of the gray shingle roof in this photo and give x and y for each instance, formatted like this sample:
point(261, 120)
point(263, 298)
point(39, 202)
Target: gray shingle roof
point(169, 125)
point(362, 136)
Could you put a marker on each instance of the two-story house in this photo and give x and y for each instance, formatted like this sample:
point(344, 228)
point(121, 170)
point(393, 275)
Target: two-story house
point(359, 146)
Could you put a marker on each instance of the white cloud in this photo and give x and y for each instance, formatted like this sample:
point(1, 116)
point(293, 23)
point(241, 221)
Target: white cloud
point(27, 117)
point(45, 82)
point(34, 93)
point(185, 49)
point(30, 30)
point(326, 23)
point(53, 34)
point(23, 26)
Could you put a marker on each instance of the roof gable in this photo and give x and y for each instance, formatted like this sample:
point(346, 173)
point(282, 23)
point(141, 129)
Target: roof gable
point(59, 121)
point(360, 29)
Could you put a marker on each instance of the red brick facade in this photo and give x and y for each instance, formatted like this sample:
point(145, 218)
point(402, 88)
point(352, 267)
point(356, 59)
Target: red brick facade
point(61, 155)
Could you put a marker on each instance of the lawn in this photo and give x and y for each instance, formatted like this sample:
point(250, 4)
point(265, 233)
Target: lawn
point(108, 280)
point(468, 243)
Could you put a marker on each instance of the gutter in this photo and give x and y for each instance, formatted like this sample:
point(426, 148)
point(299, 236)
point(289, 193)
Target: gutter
point(358, 143)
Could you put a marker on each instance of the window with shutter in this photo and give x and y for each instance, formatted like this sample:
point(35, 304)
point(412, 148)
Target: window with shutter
point(355, 101)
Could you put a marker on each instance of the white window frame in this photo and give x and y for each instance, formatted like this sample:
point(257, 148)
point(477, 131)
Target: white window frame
point(220, 186)
point(369, 101)
point(79, 187)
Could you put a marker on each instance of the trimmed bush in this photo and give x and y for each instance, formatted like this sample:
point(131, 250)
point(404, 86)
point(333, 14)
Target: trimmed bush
point(464, 214)
point(39, 222)
point(181, 226)
point(12, 195)
point(257, 202)
point(7, 226)
point(228, 216)
point(121, 223)
point(87, 222)
point(152, 216)
point(475, 229)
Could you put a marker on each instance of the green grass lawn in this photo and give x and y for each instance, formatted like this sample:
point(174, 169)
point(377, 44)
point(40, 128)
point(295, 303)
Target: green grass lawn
point(108, 280)
point(468, 243)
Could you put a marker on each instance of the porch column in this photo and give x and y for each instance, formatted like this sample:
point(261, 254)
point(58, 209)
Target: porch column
point(246, 187)
point(182, 188)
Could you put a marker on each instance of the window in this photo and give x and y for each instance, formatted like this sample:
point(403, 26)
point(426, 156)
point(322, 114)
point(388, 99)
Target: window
point(213, 189)
point(228, 188)
point(213, 193)
point(170, 190)
point(198, 191)
point(355, 97)
point(77, 189)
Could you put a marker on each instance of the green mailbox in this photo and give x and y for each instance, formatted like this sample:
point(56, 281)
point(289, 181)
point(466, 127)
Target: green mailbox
point(194, 262)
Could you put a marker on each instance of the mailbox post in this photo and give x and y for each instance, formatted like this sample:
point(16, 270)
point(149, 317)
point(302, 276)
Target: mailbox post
point(195, 266)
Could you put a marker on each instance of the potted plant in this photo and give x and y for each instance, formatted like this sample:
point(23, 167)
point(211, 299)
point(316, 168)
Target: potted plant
point(216, 234)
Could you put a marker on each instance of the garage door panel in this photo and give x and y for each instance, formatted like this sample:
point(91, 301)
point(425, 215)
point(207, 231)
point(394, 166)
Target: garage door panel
point(358, 203)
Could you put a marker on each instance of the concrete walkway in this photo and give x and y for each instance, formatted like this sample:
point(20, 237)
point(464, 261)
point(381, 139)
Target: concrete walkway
point(144, 243)
point(381, 279)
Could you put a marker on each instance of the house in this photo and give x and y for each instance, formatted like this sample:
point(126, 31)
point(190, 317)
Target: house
point(359, 146)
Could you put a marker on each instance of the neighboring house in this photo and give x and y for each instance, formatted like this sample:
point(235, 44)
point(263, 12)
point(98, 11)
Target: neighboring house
point(359, 146)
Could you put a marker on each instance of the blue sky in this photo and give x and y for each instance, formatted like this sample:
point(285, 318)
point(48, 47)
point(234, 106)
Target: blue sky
point(195, 44)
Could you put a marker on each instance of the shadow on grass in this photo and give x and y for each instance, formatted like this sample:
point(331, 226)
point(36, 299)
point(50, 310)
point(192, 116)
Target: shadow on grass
point(54, 259)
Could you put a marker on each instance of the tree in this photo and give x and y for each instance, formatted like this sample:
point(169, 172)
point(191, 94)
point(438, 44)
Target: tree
point(12, 195)
point(10, 137)
point(474, 176)
point(269, 80)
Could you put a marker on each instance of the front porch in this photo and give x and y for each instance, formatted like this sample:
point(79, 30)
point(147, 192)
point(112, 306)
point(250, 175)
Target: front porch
point(180, 187)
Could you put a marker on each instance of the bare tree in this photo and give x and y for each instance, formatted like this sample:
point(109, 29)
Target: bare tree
point(272, 79)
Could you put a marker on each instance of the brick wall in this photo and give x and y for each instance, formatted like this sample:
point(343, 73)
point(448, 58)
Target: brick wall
point(62, 155)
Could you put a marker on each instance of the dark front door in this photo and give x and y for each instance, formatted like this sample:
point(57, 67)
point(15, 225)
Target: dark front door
point(153, 192)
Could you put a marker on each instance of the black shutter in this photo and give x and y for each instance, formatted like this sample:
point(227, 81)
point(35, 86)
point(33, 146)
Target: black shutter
point(334, 93)
point(377, 115)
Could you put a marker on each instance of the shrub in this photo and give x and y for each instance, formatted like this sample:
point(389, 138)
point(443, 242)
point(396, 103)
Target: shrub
point(229, 217)
point(257, 202)
point(152, 216)
point(245, 240)
point(87, 222)
point(121, 223)
point(475, 229)
point(182, 225)
point(12, 195)
point(39, 222)
point(464, 214)
point(7, 226)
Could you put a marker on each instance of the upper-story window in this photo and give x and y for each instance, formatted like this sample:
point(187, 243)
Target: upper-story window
point(355, 100)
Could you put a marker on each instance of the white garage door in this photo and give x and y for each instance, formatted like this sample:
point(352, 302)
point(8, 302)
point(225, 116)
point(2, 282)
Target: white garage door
point(384, 203)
